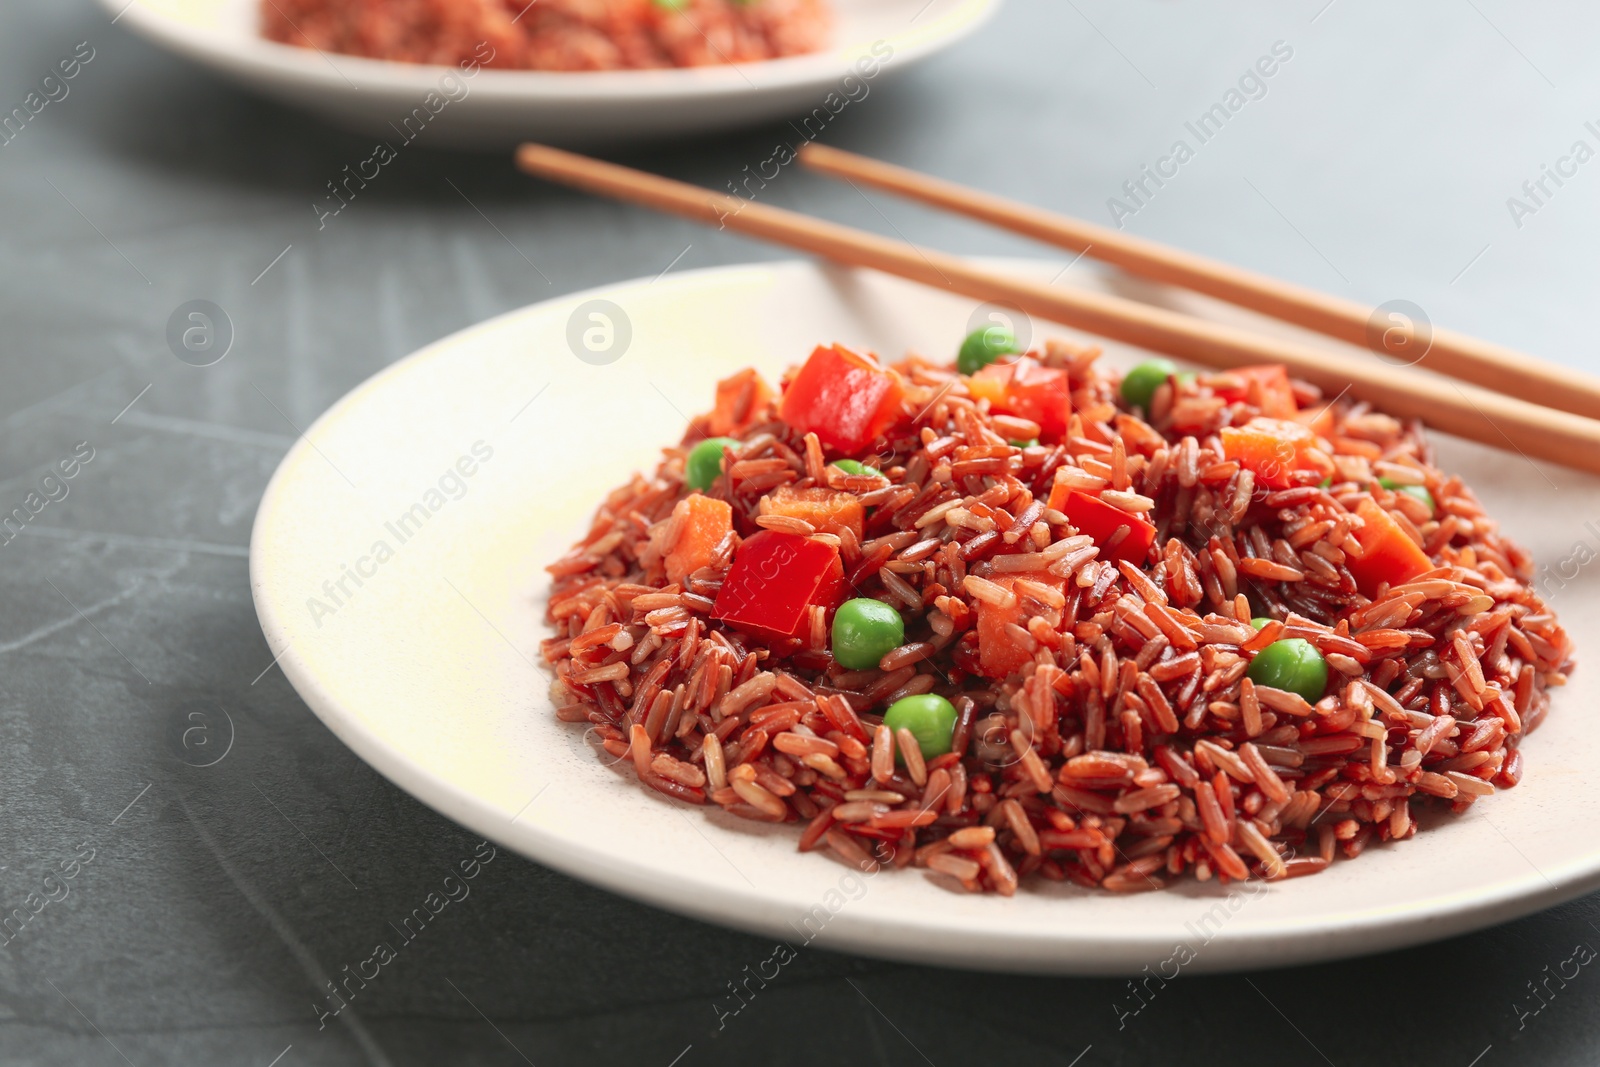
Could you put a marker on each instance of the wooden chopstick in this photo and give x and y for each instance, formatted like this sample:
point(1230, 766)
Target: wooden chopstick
point(1457, 355)
point(1463, 410)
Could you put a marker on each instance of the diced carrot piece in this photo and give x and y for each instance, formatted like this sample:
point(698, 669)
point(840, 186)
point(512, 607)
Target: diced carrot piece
point(990, 387)
point(829, 510)
point(1100, 521)
point(999, 653)
point(706, 521)
point(1026, 388)
point(1319, 420)
point(1266, 387)
point(847, 400)
point(1387, 553)
point(1273, 448)
point(741, 401)
point(1059, 494)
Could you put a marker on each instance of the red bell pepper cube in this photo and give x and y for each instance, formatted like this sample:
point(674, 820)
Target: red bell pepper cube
point(846, 400)
point(1100, 521)
point(774, 581)
point(1027, 389)
point(1267, 387)
point(1273, 448)
point(1387, 553)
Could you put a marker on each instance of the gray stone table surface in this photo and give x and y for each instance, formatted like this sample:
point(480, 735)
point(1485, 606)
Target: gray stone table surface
point(186, 908)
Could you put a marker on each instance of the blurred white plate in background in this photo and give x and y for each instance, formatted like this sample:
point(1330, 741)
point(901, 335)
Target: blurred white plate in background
point(502, 107)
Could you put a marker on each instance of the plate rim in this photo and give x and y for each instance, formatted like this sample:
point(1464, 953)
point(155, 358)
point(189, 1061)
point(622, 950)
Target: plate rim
point(262, 57)
point(1432, 917)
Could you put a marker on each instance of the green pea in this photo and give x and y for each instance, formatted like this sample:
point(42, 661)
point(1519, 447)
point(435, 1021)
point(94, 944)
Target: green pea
point(1259, 621)
point(931, 720)
point(1141, 383)
point(857, 469)
point(983, 347)
point(704, 465)
point(864, 631)
point(1420, 492)
point(1292, 665)
point(1029, 443)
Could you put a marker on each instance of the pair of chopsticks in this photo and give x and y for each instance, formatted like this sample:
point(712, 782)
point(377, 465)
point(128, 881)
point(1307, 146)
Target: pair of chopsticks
point(1508, 400)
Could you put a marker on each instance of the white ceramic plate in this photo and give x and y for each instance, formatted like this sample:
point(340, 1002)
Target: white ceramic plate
point(499, 107)
point(428, 669)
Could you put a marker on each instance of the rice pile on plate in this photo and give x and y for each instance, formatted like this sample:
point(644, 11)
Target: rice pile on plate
point(554, 34)
point(1078, 577)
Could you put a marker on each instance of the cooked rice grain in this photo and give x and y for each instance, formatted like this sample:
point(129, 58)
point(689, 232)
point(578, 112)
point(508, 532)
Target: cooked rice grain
point(570, 35)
